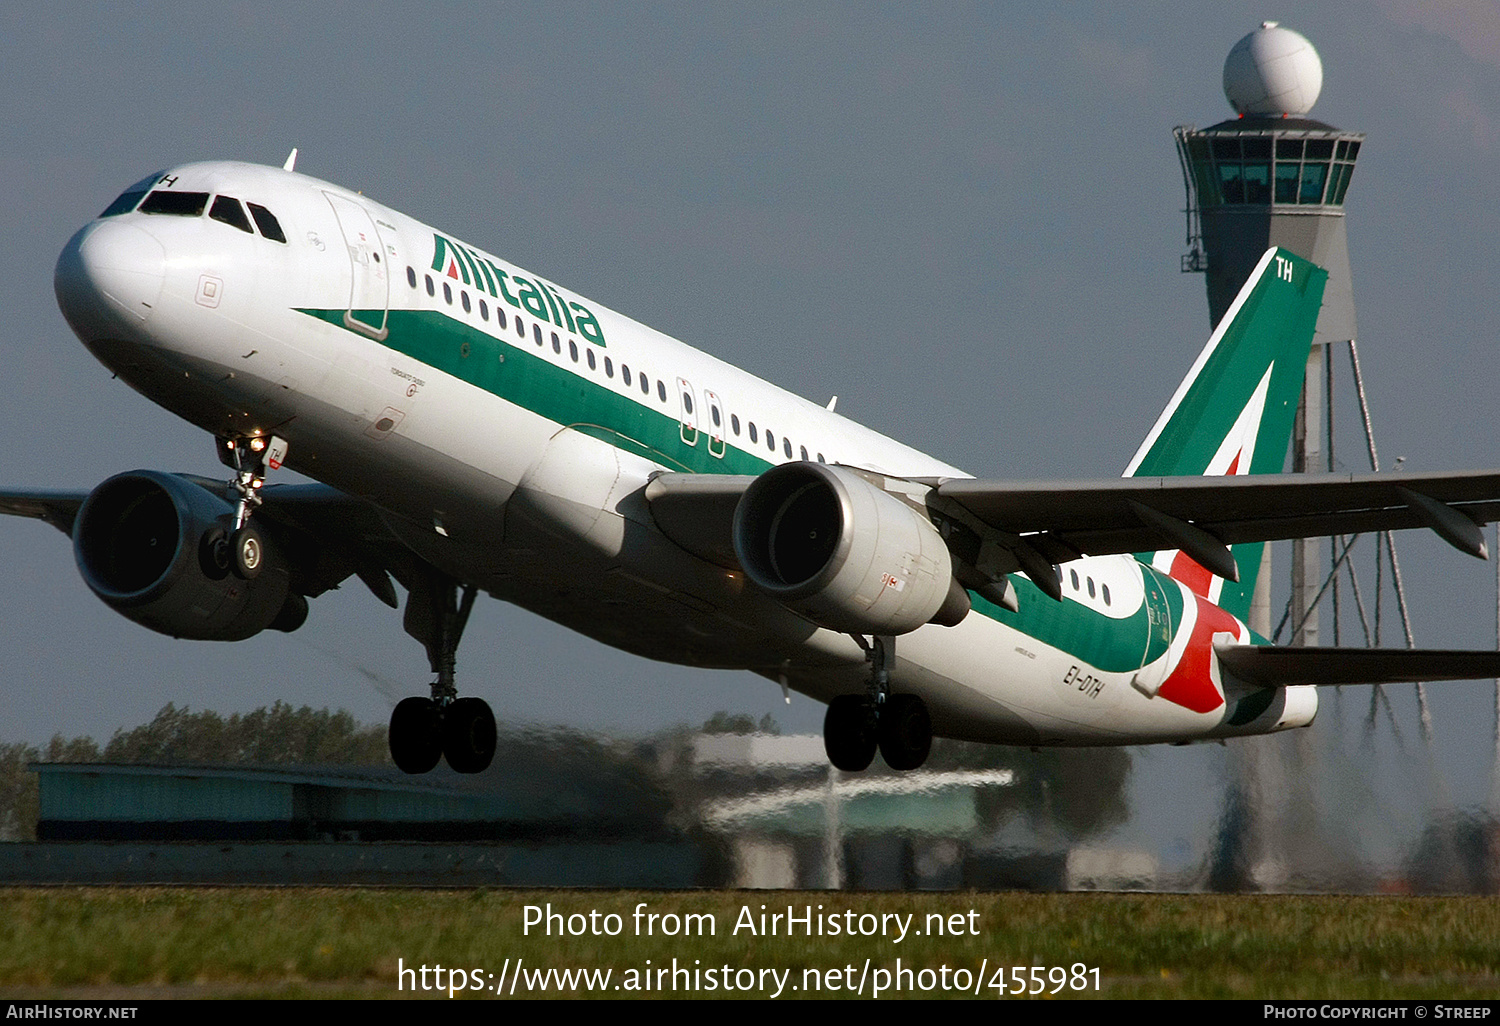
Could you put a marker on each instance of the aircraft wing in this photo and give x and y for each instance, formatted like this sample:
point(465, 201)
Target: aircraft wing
point(330, 535)
point(56, 508)
point(1043, 523)
point(1267, 666)
point(1065, 520)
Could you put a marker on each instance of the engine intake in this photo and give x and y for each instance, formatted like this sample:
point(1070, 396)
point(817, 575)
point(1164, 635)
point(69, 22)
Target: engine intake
point(836, 549)
point(138, 540)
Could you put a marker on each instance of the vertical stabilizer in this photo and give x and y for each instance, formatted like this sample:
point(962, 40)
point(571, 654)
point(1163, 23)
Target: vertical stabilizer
point(1233, 413)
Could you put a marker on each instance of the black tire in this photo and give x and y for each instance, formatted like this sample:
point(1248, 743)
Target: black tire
point(247, 553)
point(905, 732)
point(214, 555)
point(469, 735)
point(416, 735)
point(849, 733)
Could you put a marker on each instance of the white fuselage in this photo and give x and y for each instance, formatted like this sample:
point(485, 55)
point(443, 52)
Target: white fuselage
point(512, 455)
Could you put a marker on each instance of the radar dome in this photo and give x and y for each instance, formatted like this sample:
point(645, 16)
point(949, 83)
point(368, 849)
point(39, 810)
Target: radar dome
point(1273, 71)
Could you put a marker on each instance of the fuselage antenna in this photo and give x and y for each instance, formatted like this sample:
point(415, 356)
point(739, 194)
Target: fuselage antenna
point(291, 160)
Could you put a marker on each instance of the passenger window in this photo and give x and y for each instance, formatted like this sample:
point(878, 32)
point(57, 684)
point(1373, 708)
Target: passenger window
point(266, 222)
point(803, 450)
point(734, 423)
point(573, 350)
point(520, 327)
point(687, 401)
point(1091, 587)
point(609, 367)
point(431, 289)
point(713, 411)
point(484, 310)
point(536, 333)
point(447, 294)
point(1073, 576)
point(500, 317)
point(556, 344)
point(625, 373)
point(661, 390)
point(411, 277)
point(591, 358)
point(179, 204)
point(770, 440)
point(645, 385)
point(786, 447)
point(465, 297)
point(752, 432)
point(1105, 589)
point(821, 459)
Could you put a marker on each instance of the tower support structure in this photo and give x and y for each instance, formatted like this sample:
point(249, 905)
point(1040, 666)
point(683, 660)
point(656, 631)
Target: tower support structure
point(1274, 180)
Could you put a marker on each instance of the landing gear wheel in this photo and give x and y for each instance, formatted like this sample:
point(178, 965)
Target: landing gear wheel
point(214, 555)
point(469, 735)
point(905, 732)
point(849, 733)
point(247, 552)
point(416, 735)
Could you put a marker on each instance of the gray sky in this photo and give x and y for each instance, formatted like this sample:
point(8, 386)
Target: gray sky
point(965, 220)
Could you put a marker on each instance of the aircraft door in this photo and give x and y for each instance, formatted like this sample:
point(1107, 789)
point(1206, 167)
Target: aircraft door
point(369, 293)
point(688, 415)
point(715, 423)
point(1158, 593)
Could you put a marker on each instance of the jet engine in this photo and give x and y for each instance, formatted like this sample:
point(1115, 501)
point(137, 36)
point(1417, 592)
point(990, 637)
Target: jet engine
point(834, 548)
point(146, 543)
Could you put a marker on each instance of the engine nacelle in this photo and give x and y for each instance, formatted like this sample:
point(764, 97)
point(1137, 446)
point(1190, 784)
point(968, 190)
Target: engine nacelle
point(139, 539)
point(848, 556)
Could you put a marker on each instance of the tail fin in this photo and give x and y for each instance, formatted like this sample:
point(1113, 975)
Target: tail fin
point(1234, 411)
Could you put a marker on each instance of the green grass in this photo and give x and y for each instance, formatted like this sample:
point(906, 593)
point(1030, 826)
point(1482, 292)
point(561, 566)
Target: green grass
point(212, 942)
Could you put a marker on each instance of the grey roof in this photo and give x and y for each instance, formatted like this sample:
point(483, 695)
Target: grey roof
point(1271, 124)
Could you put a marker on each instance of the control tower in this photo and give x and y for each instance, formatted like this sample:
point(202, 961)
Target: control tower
point(1272, 176)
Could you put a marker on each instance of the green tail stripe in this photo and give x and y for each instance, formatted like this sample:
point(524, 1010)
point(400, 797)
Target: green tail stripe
point(1269, 326)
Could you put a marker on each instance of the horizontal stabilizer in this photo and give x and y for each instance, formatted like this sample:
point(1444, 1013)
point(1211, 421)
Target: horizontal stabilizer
point(1281, 667)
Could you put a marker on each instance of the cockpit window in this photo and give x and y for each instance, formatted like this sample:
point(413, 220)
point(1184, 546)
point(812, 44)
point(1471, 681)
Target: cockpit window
point(123, 204)
point(228, 210)
point(127, 200)
point(182, 204)
point(266, 222)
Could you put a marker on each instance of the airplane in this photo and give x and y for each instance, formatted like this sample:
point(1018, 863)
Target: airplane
point(475, 427)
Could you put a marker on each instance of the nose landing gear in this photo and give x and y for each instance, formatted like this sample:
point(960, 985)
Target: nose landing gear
point(240, 548)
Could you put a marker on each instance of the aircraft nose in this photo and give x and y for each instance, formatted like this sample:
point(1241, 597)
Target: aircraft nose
point(108, 276)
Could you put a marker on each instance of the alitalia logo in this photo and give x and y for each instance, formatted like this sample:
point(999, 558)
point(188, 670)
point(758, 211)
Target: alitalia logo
point(541, 299)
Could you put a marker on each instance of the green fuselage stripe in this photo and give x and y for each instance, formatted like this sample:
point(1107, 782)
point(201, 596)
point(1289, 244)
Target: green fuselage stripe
point(521, 376)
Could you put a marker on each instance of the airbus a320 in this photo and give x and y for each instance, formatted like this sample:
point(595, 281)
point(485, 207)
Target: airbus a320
point(475, 427)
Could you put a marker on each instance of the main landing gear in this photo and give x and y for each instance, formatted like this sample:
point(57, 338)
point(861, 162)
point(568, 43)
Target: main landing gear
point(424, 730)
point(855, 725)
